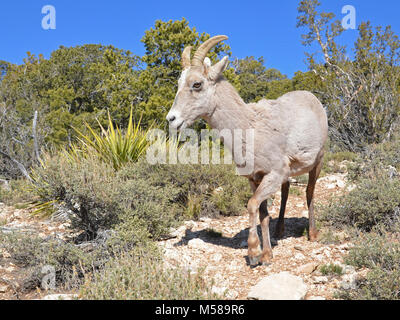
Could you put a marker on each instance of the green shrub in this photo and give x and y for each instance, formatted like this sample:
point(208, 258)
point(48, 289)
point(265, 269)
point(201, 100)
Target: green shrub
point(154, 197)
point(386, 153)
point(19, 192)
point(70, 262)
point(144, 205)
point(296, 191)
point(374, 201)
point(141, 275)
point(328, 236)
point(378, 285)
point(211, 190)
point(103, 269)
point(332, 162)
point(340, 156)
point(99, 198)
point(331, 269)
point(377, 159)
point(303, 179)
point(87, 187)
point(378, 251)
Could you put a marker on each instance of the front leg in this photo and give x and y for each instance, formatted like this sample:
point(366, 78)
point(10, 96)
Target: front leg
point(253, 242)
point(264, 220)
point(269, 185)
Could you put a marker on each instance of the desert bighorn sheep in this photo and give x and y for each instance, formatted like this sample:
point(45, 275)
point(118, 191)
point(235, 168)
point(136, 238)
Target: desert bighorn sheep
point(289, 137)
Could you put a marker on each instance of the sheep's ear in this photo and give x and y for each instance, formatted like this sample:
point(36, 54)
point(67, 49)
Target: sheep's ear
point(217, 69)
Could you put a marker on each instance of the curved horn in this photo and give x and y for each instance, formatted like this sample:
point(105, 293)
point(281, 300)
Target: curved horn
point(186, 57)
point(205, 48)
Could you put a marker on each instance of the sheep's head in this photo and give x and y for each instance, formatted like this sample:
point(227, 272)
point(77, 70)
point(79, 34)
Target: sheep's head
point(196, 86)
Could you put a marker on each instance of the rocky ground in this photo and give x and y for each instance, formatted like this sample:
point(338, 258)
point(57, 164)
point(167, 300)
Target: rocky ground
point(219, 248)
point(21, 220)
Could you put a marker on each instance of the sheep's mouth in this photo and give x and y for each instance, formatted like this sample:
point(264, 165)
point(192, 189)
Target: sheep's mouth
point(183, 125)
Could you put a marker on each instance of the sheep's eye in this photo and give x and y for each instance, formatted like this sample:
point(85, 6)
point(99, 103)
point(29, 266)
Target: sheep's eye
point(197, 85)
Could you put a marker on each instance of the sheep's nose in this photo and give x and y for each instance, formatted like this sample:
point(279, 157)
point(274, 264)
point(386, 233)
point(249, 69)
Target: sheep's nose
point(171, 118)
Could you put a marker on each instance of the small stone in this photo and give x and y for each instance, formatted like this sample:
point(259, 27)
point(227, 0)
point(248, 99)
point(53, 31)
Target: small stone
point(307, 268)
point(349, 281)
point(219, 291)
point(205, 219)
point(280, 286)
point(197, 244)
point(299, 256)
point(232, 294)
point(300, 248)
point(351, 187)
point(5, 253)
point(10, 269)
point(344, 246)
point(179, 232)
point(3, 289)
point(319, 257)
point(340, 183)
point(327, 253)
point(218, 190)
point(362, 273)
point(335, 283)
point(321, 279)
point(317, 251)
point(349, 269)
point(189, 224)
point(217, 257)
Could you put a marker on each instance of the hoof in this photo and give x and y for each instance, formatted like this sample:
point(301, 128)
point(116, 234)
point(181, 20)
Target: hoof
point(254, 260)
point(313, 235)
point(266, 259)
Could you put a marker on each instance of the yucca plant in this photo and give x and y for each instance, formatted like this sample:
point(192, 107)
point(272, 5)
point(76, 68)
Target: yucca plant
point(112, 145)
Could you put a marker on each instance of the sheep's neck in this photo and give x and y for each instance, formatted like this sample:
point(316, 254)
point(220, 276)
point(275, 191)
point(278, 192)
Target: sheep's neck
point(232, 117)
point(230, 111)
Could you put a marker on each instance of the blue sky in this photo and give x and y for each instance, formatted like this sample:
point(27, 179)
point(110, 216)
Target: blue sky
point(259, 28)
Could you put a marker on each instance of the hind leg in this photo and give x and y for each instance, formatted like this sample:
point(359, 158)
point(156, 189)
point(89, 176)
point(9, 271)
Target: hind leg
point(264, 221)
point(253, 241)
point(312, 179)
point(280, 226)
